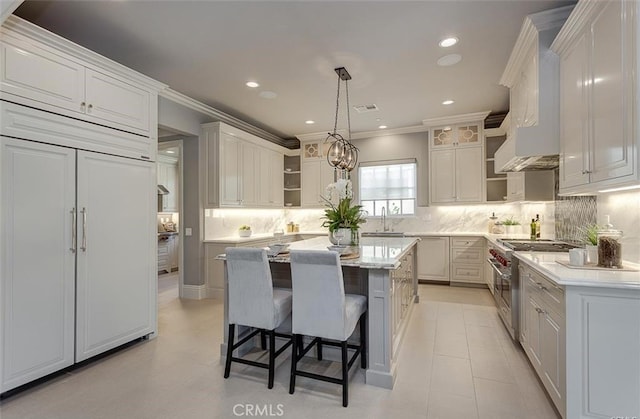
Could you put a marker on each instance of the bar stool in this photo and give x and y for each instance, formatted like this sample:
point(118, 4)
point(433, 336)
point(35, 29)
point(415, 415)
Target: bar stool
point(322, 310)
point(254, 302)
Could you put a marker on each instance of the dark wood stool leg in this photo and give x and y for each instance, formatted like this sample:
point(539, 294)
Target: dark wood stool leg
point(272, 356)
point(363, 340)
point(227, 366)
point(345, 375)
point(319, 347)
point(294, 360)
point(263, 340)
point(300, 345)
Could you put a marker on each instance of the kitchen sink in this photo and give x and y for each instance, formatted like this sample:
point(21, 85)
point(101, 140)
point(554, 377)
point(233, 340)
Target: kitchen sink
point(382, 234)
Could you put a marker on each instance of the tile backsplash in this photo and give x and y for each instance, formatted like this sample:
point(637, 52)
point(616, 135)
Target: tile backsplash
point(572, 215)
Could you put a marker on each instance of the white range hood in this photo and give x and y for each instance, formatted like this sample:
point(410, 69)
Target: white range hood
point(529, 148)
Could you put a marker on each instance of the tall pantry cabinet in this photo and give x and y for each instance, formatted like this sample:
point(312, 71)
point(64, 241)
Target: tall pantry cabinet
point(77, 211)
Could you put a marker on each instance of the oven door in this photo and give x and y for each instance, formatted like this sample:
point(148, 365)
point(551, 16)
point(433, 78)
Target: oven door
point(505, 290)
point(498, 272)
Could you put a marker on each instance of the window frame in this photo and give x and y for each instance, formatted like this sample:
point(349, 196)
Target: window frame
point(387, 200)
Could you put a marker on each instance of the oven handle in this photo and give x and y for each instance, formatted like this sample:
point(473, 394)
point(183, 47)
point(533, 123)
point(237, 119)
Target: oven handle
point(494, 264)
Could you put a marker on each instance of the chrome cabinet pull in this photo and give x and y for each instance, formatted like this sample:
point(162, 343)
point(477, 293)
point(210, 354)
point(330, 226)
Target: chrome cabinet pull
point(90, 107)
point(73, 231)
point(84, 229)
point(82, 106)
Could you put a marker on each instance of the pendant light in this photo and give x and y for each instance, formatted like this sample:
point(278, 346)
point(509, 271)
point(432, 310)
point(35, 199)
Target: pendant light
point(342, 155)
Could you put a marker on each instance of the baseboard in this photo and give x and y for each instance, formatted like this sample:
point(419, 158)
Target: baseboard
point(215, 293)
point(194, 292)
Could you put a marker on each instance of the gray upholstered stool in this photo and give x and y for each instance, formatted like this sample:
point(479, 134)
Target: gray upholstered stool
point(254, 302)
point(323, 311)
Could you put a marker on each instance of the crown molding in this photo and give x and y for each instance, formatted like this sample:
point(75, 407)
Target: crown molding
point(220, 116)
point(456, 119)
point(391, 131)
point(528, 40)
point(322, 135)
point(19, 28)
point(578, 20)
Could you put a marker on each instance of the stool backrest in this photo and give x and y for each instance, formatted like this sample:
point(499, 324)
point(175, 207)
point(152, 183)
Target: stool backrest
point(318, 293)
point(250, 288)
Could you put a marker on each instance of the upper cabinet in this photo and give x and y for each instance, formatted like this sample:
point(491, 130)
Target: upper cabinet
point(73, 87)
point(169, 177)
point(598, 49)
point(43, 75)
point(531, 74)
point(456, 159)
point(315, 174)
point(240, 169)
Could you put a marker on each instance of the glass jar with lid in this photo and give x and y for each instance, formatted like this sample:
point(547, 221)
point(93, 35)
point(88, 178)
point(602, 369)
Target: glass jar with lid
point(609, 247)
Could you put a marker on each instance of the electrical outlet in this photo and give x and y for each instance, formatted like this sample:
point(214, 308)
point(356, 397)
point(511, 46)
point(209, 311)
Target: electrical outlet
point(188, 231)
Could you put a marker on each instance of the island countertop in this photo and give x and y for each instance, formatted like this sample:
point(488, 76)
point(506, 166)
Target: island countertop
point(375, 252)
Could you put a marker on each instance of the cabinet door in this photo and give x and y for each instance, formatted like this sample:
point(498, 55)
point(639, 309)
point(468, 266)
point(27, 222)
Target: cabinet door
point(468, 174)
point(442, 180)
point(612, 93)
point(276, 177)
point(515, 186)
point(552, 353)
point(37, 266)
point(264, 177)
point(442, 137)
point(116, 272)
point(110, 99)
point(249, 174)
point(230, 171)
point(468, 135)
point(532, 325)
point(174, 252)
point(34, 73)
point(310, 184)
point(574, 137)
point(172, 200)
point(433, 259)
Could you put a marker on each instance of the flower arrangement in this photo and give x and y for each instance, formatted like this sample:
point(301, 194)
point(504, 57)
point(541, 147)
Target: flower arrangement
point(511, 222)
point(591, 234)
point(340, 212)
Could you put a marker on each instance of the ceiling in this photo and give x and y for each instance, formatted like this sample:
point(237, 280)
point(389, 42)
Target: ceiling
point(207, 50)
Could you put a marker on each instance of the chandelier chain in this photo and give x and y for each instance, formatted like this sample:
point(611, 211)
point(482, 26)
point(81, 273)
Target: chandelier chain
point(335, 124)
point(346, 84)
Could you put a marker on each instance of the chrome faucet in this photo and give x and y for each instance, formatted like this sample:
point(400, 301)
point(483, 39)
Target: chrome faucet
point(384, 219)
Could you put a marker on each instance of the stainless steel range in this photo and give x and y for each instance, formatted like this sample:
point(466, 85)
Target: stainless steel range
point(506, 284)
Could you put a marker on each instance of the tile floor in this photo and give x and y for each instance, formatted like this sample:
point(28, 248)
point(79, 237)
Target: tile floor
point(457, 361)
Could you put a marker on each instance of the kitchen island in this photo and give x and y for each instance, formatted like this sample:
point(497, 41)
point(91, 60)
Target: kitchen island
point(384, 272)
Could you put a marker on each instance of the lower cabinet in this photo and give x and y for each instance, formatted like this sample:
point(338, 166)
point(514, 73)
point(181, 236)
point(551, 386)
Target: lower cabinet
point(433, 259)
point(542, 332)
point(467, 260)
point(168, 246)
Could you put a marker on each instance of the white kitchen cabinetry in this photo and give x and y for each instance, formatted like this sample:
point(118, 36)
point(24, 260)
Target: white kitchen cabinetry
point(71, 87)
point(598, 60)
point(163, 254)
point(110, 222)
point(457, 176)
point(240, 169)
point(174, 252)
point(542, 331)
point(315, 174)
point(433, 259)
point(168, 176)
point(530, 186)
point(467, 260)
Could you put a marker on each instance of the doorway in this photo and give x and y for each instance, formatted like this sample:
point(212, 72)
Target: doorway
point(170, 205)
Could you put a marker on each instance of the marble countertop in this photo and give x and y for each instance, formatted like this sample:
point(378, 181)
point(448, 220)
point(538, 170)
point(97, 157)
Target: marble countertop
point(375, 252)
point(262, 236)
point(546, 263)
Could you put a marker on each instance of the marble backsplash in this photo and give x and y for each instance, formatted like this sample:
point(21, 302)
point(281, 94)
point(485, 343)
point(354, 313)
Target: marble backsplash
point(623, 209)
point(468, 218)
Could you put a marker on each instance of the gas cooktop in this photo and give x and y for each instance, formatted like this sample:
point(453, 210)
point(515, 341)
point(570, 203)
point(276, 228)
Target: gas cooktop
point(520, 245)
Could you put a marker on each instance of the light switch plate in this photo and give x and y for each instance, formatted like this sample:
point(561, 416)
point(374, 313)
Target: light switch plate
point(188, 231)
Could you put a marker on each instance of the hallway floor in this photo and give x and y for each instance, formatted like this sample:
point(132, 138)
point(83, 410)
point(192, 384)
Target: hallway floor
point(457, 361)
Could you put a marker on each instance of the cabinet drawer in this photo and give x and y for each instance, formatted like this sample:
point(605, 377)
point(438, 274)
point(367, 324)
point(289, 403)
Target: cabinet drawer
point(467, 273)
point(550, 295)
point(467, 255)
point(467, 242)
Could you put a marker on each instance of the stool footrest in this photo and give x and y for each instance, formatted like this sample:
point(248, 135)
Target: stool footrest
point(319, 377)
point(250, 362)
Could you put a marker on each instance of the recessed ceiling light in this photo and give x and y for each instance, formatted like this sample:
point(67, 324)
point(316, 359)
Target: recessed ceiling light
point(268, 95)
point(309, 122)
point(448, 42)
point(448, 102)
point(252, 84)
point(450, 59)
point(382, 126)
point(170, 152)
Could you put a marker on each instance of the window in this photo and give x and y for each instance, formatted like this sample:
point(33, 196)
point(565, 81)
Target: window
point(389, 186)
